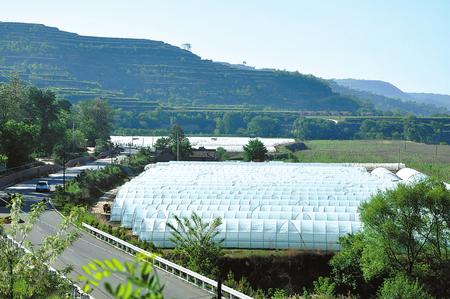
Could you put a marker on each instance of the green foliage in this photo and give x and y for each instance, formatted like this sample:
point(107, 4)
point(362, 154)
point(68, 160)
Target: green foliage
point(400, 287)
point(17, 141)
point(195, 243)
point(404, 242)
point(25, 274)
point(222, 154)
point(95, 120)
point(346, 267)
point(97, 67)
point(176, 143)
point(33, 122)
point(407, 231)
point(3, 160)
point(433, 160)
point(43, 109)
point(324, 287)
point(141, 280)
point(255, 150)
point(88, 186)
point(243, 285)
point(162, 143)
point(138, 161)
point(316, 128)
point(263, 126)
point(408, 128)
point(277, 294)
point(12, 100)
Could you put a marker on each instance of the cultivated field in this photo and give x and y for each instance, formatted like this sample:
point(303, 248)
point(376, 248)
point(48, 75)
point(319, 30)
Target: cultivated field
point(433, 160)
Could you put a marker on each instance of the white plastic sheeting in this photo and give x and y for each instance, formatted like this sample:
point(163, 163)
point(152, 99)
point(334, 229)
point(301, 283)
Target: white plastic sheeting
point(410, 175)
point(262, 205)
point(382, 172)
point(232, 144)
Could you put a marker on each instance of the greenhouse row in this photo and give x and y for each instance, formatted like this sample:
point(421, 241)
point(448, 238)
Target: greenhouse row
point(262, 205)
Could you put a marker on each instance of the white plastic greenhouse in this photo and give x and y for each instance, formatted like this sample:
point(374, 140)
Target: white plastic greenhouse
point(262, 205)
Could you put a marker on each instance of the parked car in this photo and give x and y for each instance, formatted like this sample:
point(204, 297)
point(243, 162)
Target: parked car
point(42, 186)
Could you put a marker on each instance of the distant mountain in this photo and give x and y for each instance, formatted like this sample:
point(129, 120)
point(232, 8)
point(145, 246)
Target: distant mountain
point(138, 74)
point(438, 99)
point(384, 103)
point(389, 90)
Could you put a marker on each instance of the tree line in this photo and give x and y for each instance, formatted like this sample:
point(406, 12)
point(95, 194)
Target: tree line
point(281, 124)
point(36, 123)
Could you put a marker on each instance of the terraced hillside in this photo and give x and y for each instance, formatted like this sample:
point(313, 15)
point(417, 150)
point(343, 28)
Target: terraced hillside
point(139, 74)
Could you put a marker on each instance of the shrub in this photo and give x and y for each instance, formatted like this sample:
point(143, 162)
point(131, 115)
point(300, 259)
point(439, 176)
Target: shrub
point(324, 287)
point(114, 231)
point(400, 287)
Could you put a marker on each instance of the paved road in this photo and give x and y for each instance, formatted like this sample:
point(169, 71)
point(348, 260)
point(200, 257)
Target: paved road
point(87, 247)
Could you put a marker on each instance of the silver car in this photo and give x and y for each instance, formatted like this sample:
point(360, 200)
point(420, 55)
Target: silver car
point(42, 186)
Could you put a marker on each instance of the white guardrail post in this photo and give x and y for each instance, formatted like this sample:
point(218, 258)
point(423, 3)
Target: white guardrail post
point(77, 292)
point(185, 274)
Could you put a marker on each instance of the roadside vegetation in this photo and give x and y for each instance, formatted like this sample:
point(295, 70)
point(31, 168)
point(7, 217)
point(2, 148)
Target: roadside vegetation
point(87, 187)
point(140, 279)
point(25, 273)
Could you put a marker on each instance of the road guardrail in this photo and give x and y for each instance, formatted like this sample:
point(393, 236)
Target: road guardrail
point(77, 292)
point(185, 274)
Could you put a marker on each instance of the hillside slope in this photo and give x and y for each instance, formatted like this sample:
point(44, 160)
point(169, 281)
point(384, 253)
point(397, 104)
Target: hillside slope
point(389, 90)
point(438, 99)
point(139, 74)
point(385, 103)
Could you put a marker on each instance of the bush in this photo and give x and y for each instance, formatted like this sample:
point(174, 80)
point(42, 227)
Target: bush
point(137, 162)
point(324, 287)
point(88, 186)
point(400, 287)
point(114, 231)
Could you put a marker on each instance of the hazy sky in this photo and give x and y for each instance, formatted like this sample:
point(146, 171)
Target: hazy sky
point(404, 42)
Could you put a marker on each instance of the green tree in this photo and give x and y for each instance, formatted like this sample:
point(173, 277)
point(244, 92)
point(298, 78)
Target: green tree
point(18, 141)
point(255, 150)
point(177, 143)
point(195, 243)
point(406, 231)
point(263, 126)
point(141, 280)
point(43, 109)
point(95, 120)
point(404, 242)
point(25, 274)
point(162, 143)
point(232, 122)
point(315, 128)
point(345, 267)
point(12, 100)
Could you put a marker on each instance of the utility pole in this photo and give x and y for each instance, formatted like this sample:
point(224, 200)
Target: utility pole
point(178, 148)
point(73, 136)
point(64, 168)
point(132, 137)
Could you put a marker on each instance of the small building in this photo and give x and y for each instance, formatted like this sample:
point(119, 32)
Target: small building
point(200, 154)
point(164, 155)
point(203, 154)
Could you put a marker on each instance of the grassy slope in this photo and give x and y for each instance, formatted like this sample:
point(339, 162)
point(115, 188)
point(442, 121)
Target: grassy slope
point(430, 159)
point(134, 74)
